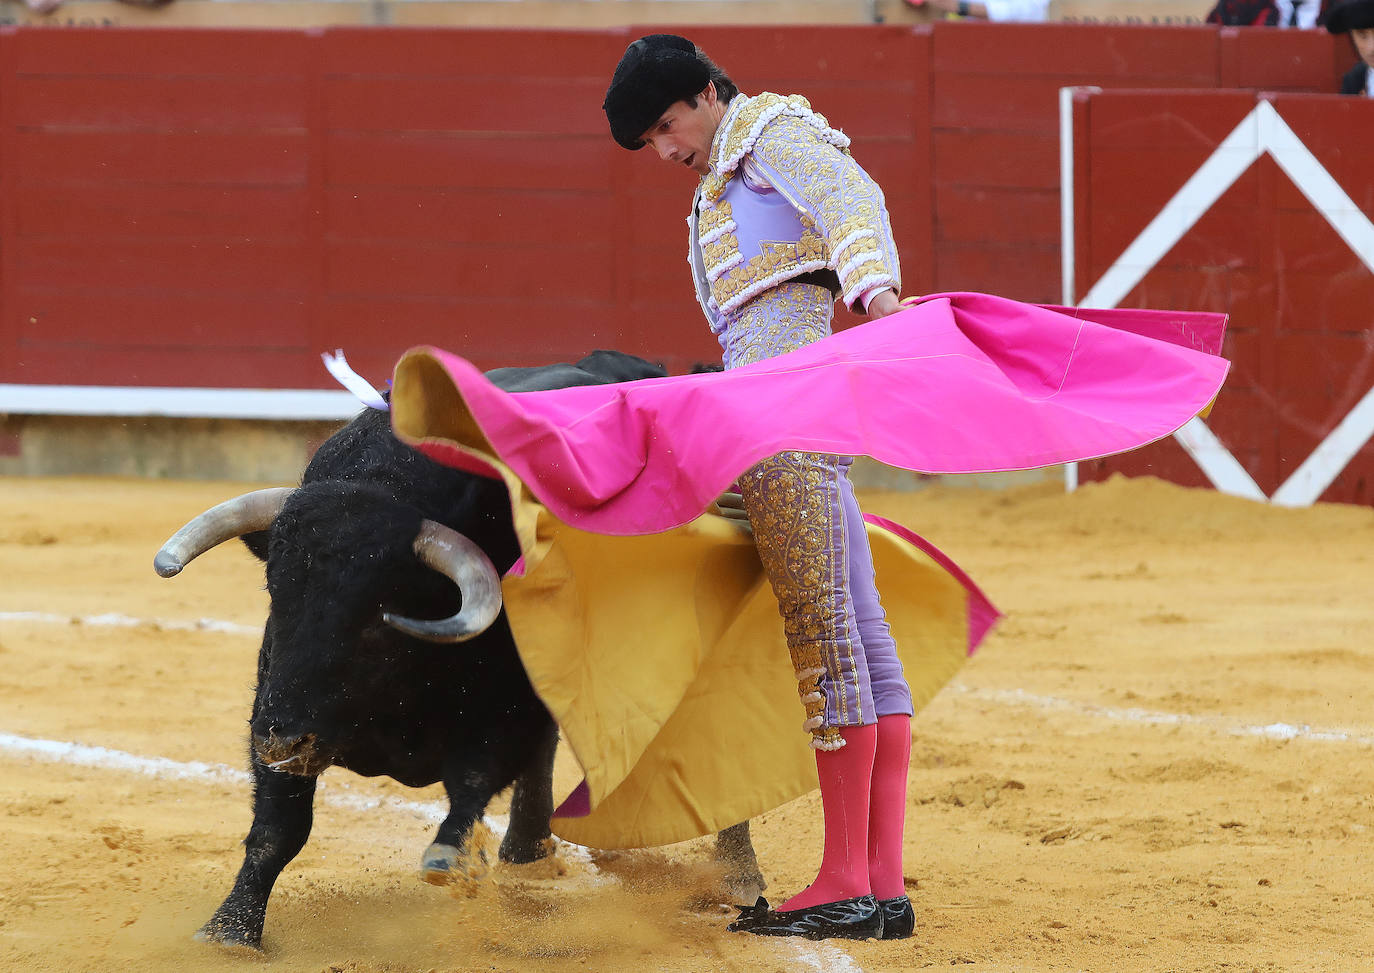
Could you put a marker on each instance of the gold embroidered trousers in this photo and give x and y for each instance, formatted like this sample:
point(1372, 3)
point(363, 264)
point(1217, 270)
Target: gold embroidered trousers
point(811, 540)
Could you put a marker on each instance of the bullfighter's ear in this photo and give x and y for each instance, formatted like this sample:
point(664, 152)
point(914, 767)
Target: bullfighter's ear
point(257, 543)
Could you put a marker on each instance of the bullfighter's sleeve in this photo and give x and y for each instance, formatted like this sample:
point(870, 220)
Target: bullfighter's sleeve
point(848, 208)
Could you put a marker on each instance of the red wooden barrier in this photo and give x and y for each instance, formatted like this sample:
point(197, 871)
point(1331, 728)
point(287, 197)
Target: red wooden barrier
point(183, 207)
point(1300, 294)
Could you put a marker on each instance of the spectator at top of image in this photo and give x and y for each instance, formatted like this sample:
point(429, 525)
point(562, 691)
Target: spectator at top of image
point(1356, 18)
point(1269, 13)
point(998, 11)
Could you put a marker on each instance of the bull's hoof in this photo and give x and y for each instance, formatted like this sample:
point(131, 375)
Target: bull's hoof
point(743, 887)
point(450, 865)
point(742, 882)
point(439, 866)
point(230, 935)
point(523, 852)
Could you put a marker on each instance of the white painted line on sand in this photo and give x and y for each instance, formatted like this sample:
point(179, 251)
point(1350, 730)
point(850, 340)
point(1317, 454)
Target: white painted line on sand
point(1361, 736)
point(82, 755)
point(823, 957)
point(85, 755)
point(115, 620)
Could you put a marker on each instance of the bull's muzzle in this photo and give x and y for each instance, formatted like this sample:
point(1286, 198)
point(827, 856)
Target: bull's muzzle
point(290, 754)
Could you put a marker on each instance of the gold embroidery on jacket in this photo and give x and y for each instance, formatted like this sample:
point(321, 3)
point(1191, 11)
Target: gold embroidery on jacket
point(714, 218)
point(779, 260)
point(846, 202)
point(854, 239)
point(741, 128)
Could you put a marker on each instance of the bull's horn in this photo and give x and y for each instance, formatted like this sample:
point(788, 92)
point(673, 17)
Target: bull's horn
point(454, 556)
point(232, 518)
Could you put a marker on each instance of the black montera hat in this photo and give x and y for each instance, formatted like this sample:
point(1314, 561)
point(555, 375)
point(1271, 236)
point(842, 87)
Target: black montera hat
point(654, 72)
point(1346, 15)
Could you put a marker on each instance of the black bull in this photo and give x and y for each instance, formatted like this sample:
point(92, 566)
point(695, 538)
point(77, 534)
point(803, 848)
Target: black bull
point(378, 555)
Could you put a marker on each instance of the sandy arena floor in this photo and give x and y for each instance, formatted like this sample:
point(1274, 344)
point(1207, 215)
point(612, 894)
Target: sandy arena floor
point(1159, 762)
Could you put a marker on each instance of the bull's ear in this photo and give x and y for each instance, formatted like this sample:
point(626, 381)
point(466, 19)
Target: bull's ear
point(257, 543)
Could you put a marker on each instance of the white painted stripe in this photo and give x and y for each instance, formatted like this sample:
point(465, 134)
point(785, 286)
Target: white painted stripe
point(1332, 455)
point(104, 400)
point(1237, 152)
point(1222, 468)
point(115, 620)
point(163, 768)
point(1362, 736)
point(1311, 177)
point(823, 957)
point(82, 755)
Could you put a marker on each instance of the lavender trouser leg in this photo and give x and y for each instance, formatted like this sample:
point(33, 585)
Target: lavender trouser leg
point(891, 694)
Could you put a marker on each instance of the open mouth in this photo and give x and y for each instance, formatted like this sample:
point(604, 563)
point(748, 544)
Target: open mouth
point(688, 162)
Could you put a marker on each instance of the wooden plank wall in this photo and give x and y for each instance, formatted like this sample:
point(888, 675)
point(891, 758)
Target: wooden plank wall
point(156, 224)
point(216, 207)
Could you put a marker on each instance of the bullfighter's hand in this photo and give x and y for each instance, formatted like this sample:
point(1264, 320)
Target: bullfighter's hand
point(883, 304)
point(731, 506)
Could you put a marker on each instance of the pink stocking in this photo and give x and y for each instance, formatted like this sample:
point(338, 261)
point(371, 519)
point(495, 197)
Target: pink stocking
point(887, 810)
point(845, 776)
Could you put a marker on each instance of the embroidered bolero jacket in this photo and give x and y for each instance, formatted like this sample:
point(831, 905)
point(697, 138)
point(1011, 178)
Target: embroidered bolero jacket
point(784, 199)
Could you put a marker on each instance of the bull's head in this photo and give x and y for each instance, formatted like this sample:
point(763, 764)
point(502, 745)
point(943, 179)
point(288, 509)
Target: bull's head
point(342, 558)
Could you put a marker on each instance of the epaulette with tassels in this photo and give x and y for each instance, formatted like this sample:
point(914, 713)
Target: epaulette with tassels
point(744, 122)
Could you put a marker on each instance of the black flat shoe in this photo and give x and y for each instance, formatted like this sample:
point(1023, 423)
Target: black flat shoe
point(858, 918)
point(899, 918)
point(749, 914)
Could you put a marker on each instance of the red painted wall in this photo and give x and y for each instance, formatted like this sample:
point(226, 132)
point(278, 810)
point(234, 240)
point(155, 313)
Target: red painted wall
point(1301, 336)
point(182, 207)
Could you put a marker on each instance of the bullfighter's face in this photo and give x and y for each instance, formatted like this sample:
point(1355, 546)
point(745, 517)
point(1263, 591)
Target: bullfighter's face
point(1363, 38)
point(683, 134)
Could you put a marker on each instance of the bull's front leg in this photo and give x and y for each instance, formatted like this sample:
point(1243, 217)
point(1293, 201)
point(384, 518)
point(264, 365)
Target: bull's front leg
point(531, 805)
point(469, 788)
point(743, 880)
point(283, 810)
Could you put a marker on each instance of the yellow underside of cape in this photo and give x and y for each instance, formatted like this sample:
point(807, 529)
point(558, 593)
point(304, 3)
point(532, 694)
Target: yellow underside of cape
point(662, 657)
point(663, 661)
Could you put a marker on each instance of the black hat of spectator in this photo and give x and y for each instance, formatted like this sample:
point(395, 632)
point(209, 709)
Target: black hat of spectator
point(654, 72)
point(1346, 15)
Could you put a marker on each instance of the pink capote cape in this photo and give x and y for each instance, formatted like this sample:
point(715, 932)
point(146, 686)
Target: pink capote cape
point(662, 657)
point(959, 383)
